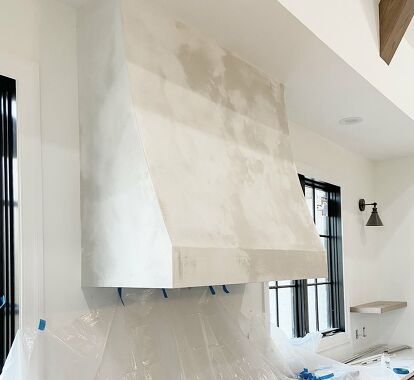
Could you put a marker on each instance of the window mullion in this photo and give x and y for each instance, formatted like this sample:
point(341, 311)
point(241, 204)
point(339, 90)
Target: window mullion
point(301, 308)
point(305, 308)
point(332, 289)
point(317, 307)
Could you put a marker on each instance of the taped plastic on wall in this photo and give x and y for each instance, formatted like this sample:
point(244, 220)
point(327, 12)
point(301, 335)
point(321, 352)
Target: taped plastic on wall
point(310, 341)
point(68, 352)
point(191, 335)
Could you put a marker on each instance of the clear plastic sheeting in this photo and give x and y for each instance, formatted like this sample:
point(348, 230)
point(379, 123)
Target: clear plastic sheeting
point(310, 341)
point(192, 334)
point(68, 352)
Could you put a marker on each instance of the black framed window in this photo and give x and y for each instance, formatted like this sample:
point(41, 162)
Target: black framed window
point(8, 189)
point(308, 305)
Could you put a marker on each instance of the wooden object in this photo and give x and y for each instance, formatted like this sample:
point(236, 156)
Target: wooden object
point(378, 307)
point(395, 16)
point(410, 376)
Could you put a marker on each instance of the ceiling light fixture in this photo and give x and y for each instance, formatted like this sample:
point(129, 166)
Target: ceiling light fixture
point(352, 120)
point(374, 219)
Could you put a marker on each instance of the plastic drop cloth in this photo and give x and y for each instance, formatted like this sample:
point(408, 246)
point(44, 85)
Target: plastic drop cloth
point(190, 335)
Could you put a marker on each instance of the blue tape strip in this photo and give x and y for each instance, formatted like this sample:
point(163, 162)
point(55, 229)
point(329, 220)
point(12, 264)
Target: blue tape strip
point(42, 325)
point(212, 291)
point(120, 295)
point(306, 375)
point(324, 377)
point(401, 371)
point(2, 302)
point(225, 289)
point(164, 292)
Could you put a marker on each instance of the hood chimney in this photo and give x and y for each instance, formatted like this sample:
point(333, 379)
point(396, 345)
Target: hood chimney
point(187, 174)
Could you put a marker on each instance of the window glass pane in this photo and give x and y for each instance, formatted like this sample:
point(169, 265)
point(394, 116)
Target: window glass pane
point(309, 199)
point(325, 242)
point(321, 212)
point(285, 283)
point(322, 280)
point(272, 283)
point(312, 308)
point(286, 311)
point(311, 281)
point(272, 306)
point(323, 306)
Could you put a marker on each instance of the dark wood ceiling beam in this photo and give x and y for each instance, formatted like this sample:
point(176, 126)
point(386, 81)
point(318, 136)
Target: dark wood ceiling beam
point(395, 16)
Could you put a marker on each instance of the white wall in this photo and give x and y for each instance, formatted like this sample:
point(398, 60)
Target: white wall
point(60, 139)
point(20, 19)
point(64, 297)
point(323, 160)
point(395, 190)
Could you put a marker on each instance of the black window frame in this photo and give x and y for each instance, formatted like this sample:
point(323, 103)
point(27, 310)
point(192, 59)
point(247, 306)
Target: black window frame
point(8, 149)
point(335, 279)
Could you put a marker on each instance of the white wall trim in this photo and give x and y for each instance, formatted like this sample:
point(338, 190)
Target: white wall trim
point(29, 247)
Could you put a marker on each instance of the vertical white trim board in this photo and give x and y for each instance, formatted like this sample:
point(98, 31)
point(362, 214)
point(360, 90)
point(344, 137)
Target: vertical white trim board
point(29, 242)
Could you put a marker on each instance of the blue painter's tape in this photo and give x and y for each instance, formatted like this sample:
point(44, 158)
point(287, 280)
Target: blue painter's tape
point(306, 375)
point(2, 302)
point(401, 371)
point(212, 291)
point(164, 292)
point(42, 325)
point(120, 295)
point(328, 376)
point(225, 289)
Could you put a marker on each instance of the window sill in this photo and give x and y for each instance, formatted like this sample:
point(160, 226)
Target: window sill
point(332, 341)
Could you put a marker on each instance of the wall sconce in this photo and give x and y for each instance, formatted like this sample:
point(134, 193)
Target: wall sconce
point(374, 219)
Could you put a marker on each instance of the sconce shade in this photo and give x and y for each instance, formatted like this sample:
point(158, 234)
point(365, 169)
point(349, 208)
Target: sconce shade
point(374, 219)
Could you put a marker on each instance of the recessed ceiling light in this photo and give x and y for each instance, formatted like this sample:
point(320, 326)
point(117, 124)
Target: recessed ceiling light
point(351, 120)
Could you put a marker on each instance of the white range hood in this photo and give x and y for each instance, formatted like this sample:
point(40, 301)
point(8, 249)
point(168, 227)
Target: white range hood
point(187, 174)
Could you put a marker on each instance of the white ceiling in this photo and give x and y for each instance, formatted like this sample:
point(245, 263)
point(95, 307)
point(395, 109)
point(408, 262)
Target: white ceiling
point(321, 88)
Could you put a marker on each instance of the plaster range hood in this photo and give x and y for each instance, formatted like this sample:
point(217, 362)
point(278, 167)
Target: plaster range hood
point(187, 176)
